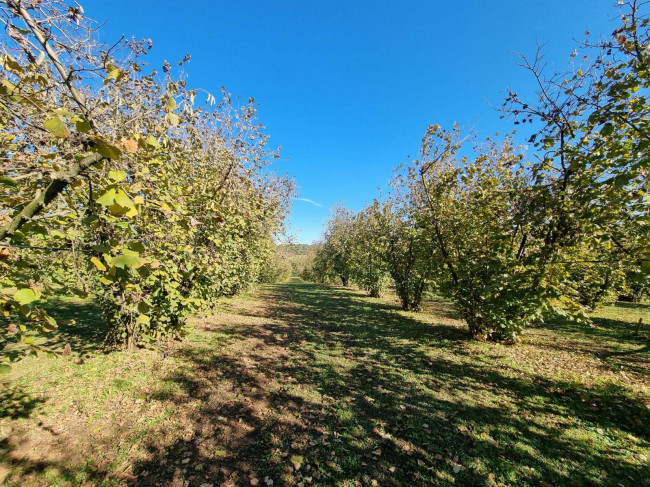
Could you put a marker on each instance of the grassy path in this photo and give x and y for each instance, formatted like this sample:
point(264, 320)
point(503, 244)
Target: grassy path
point(299, 384)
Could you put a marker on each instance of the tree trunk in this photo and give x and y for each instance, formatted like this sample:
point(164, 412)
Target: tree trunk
point(374, 293)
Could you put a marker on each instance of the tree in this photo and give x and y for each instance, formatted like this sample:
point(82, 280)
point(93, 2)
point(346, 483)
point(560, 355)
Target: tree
point(403, 250)
point(593, 144)
point(169, 200)
point(334, 257)
point(369, 269)
point(514, 236)
point(483, 229)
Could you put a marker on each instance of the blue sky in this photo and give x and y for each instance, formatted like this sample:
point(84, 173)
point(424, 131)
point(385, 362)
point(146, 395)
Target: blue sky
point(347, 88)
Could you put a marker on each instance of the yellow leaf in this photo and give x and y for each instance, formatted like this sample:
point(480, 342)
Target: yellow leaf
point(122, 199)
point(98, 263)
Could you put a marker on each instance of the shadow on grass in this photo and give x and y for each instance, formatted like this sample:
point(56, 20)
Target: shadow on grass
point(359, 391)
point(15, 403)
point(80, 323)
point(65, 475)
point(611, 338)
point(619, 328)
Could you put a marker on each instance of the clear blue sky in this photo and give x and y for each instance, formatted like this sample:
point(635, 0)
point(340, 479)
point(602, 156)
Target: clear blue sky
point(347, 88)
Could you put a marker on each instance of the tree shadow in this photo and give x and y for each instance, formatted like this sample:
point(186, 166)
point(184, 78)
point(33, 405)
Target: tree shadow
point(358, 391)
point(15, 403)
point(29, 468)
point(619, 330)
point(80, 323)
point(610, 340)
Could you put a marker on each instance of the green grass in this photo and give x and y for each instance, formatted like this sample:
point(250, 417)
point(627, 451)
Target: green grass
point(358, 391)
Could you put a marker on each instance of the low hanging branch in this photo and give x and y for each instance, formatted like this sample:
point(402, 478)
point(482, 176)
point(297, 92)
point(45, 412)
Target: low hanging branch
point(64, 178)
point(40, 201)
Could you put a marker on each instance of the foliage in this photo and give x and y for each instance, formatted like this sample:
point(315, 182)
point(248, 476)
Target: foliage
point(510, 237)
point(277, 268)
point(403, 251)
point(169, 199)
point(369, 268)
point(334, 258)
point(593, 147)
point(299, 256)
point(483, 230)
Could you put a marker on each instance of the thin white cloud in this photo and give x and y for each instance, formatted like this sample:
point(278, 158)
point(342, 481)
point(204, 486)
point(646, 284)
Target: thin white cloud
point(307, 200)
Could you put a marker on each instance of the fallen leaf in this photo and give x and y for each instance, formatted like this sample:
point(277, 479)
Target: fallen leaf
point(297, 461)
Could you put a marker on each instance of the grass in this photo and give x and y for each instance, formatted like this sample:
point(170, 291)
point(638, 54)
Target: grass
point(312, 385)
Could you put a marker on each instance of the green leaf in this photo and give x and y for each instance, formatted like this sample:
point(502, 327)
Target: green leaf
point(7, 182)
point(112, 72)
point(143, 319)
point(56, 127)
point(82, 126)
point(12, 65)
point(173, 119)
point(25, 296)
point(136, 247)
point(122, 199)
point(127, 260)
point(153, 142)
point(171, 105)
point(106, 149)
point(108, 198)
point(50, 323)
point(5, 368)
point(117, 176)
point(608, 129)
